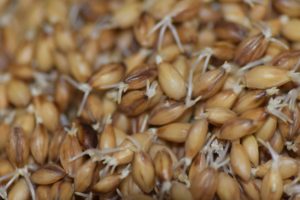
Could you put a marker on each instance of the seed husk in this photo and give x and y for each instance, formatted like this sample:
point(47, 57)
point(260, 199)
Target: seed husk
point(251, 49)
point(107, 184)
point(171, 81)
point(240, 161)
point(209, 83)
point(230, 31)
point(251, 147)
point(129, 188)
point(237, 128)
point(204, 185)
point(197, 166)
point(48, 174)
point(143, 171)
point(166, 112)
point(87, 136)
point(48, 112)
point(62, 190)
point(17, 147)
point(180, 191)
point(174, 132)
point(39, 144)
point(42, 192)
point(5, 131)
point(26, 121)
point(138, 78)
point(196, 138)
point(232, 188)
point(79, 67)
point(107, 139)
point(134, 103)
point(251, 189)
point(55, 144)
point(219, 115)
point(224, 99)
point(19, 190)
point(249, 100)
point(264, 77)
point(18, 93)
point(272, 185)
point(107, 75)
point(286, 60)
point(86, 170)
point(141, 30)
point(163, 166)
point(288, 7)
point(69, 148)
point(268, 129)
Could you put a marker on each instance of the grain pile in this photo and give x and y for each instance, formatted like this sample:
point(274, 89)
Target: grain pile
point(154, 99)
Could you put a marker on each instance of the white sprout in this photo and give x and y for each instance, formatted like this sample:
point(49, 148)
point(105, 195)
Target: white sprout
point(71, 131)
point(83, 87)
point(292, 188)
point(122, 87)
point(151, 89)
point(291, 146)
point(267, 32)
point(88, 196)
point(3, 193)
point(213, 146)
point(23, 172)
point(144, 123)
point(98, 126)
point(119, 193)
point(96, 154)
point(205, 53)
point(165, 23)
point(275, 156)
point(272, 91)
point(291, 98)
point(126, 171)
point(255, 63)
point(274, 107)
point(284, 19)
point(5, 77)
point(110, 162)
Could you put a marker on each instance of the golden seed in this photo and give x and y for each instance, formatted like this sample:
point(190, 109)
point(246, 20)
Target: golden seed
point(48, 174)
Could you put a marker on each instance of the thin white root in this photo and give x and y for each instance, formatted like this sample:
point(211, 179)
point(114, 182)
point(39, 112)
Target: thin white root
point(122, 87)
point(126, 171)
point(144, 123)
point(151, 89)
point(165, 23)
point(275, 156)
point(96, 154)
point(291, 146)
point(3, 193)
point(292, 188)
point(83, 87)
point(274, 107)
point(206, 53)
point(255, 63)
point(267, 32)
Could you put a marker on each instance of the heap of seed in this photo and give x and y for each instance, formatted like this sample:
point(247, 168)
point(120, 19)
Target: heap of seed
point(149, 99)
